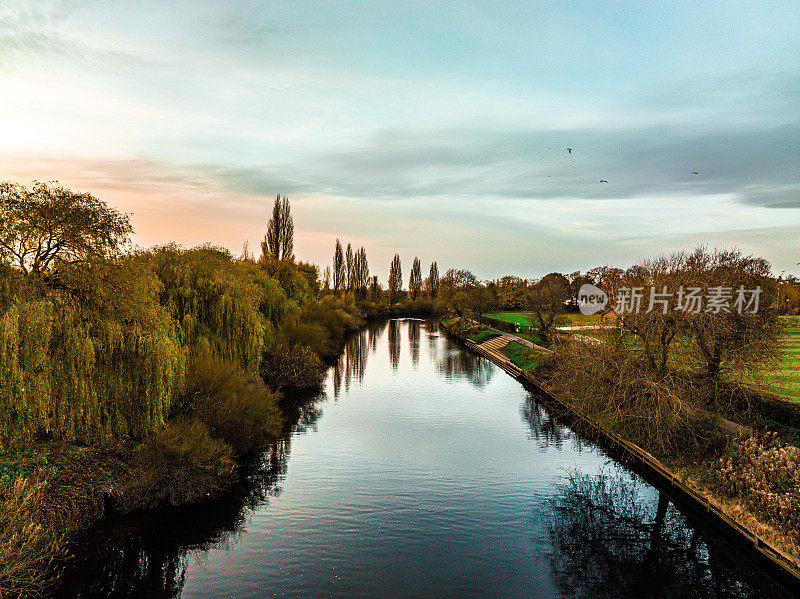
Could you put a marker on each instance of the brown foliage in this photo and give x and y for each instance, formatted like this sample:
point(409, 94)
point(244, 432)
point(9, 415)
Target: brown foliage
point(28, 549)
point(179, 464)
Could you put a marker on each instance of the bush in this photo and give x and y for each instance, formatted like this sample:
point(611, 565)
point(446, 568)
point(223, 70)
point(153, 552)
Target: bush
point(765, 474)
point(27, 549)
point(289, 366)
point(180, 464)
point(236, 407)
point(619, 390)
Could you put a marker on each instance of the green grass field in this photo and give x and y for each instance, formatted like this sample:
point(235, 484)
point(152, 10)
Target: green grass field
point(786, 377)
point(572, 319)
point(522, 356)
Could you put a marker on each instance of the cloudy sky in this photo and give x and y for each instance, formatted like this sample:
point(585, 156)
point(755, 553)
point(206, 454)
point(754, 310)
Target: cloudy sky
point(431, 129)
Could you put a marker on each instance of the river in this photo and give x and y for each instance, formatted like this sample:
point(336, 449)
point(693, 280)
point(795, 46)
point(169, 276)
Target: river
point(420, 469)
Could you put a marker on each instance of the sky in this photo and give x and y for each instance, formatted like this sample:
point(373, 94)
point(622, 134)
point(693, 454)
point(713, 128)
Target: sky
point(438, 130)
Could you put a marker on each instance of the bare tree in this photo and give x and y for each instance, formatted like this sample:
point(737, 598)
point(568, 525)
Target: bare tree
point(395, 279)
point(279, 239)
point(415, 280)
point(338, 268)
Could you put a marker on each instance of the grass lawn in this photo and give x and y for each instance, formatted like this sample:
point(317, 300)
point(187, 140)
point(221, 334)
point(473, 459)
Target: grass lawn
point(786, 376)
point(515, 317)
point(482, 336)
point(575, 319)
point(522, 356)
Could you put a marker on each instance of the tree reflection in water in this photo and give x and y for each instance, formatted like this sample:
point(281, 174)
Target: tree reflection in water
point(413, 341)
point(458, 363)
point(609, 539)
point(145, 555)
point(545, 429)
point(393, 337)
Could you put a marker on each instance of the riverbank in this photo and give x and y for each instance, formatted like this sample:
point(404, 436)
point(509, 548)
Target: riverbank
point(51, 490)
point(776, 549)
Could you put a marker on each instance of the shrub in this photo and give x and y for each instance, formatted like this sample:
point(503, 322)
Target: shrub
point(286, 365)
point(236, 407)
point(179, 464)
point(765, 474)
point(620, 390)
point(27, 549)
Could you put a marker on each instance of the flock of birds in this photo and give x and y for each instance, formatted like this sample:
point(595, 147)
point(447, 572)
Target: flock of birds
point(605, 180)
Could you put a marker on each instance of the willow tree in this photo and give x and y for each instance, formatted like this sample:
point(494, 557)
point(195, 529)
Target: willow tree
point(86, 350)
point(338, 268)
point(279, 239)
point(415, 280)
point(395, 279)
point(46, 225)
point(231, 305)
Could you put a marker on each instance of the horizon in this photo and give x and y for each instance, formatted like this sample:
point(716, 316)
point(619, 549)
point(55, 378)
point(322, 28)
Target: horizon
point(447, 133)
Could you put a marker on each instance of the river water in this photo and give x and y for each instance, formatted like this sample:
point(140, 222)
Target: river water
point(420, 470)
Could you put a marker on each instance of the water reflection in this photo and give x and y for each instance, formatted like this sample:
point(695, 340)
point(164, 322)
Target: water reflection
point(413, 341)
point(611, 538)
point(145, 555)
point(545, 428)
point(359, 508)
point(457, 363)
point(394, 343)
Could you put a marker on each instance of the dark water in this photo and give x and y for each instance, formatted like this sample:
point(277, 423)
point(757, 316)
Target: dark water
point(420, 470)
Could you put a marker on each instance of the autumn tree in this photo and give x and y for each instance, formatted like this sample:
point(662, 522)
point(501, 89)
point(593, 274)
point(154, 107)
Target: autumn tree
point(456, 289)
point(45, 226)
point(415, 280)
point(395, 279)
point(374, 289)
point(326, 285)
point(350, 274)
point(279, 239)
point(360, 272)
point(512, 292)
point(339, 274)
point(432, 282)
point(546, 302)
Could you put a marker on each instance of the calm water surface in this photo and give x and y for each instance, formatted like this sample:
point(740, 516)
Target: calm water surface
point(420, 470)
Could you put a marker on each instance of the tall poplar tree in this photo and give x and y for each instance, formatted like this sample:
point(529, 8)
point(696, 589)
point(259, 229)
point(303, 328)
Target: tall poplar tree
point(395, 279)
point(362, 272)
point(415, 280)
point(432, 282)
point(338, 268)
point(348, 257)
point(327, 280)
point(279, 240)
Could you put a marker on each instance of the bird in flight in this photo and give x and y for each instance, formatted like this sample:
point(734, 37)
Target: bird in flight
point(569, 150)
point(603, 181)
point(694, 172)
